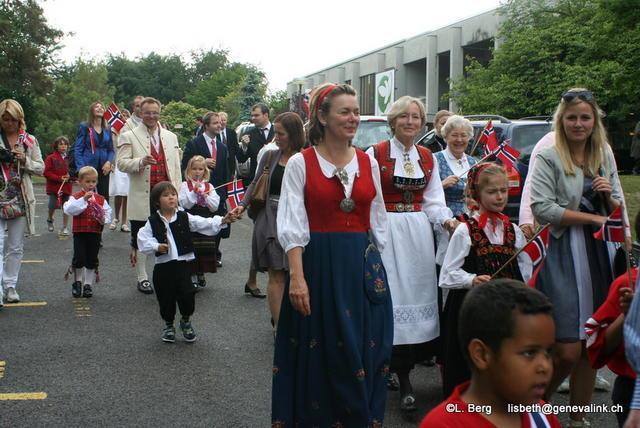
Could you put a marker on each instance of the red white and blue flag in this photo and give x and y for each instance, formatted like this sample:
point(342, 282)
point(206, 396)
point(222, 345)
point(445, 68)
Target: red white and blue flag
point(537, 251)
point(114, 117)
point(507, 154)
point(24, 138)
point(235, 193)
point(613, 229)
point(489, 137)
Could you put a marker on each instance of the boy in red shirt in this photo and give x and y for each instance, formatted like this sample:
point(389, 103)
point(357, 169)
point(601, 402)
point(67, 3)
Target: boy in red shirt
point(507, 334)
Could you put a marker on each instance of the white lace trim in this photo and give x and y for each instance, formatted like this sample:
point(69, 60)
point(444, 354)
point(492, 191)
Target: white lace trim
point(415, 314)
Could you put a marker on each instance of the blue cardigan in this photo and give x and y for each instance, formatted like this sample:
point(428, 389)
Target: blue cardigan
point(82, 149)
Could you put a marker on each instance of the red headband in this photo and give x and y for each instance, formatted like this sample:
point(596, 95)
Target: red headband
point(322, 95)
point(473, 176)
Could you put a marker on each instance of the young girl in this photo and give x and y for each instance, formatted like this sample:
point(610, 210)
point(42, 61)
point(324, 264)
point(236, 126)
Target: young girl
point(90, 212)
point(167, 234)
point(198, 197)
point(56, 171)
point(477, 249)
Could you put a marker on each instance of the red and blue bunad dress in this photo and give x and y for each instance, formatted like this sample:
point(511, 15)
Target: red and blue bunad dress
point(330, 367)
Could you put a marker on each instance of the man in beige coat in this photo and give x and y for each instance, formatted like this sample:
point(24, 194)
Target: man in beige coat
point(149, 154)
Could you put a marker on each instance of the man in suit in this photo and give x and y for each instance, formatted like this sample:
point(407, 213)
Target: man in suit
point(230, 139)
point(215, 153)
point(149, 154)
point(255, 139)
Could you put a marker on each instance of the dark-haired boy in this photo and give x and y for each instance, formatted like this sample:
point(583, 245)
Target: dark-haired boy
point(507, 332)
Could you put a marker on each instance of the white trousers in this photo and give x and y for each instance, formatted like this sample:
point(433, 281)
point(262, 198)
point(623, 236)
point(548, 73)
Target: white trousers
point(12, 246)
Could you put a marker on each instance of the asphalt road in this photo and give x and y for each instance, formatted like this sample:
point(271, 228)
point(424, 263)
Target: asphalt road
point(101, 362)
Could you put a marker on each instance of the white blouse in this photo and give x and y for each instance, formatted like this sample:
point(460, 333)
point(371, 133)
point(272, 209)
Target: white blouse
point(460, 167)
point(453, 276)
point(293, 223)
point(434, 204)
point(188, 199)
point(75, 207)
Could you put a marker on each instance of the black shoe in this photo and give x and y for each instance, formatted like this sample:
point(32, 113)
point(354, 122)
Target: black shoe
point(87, 291)
point(187, 331)
point(202, 282)
point(145, 287)
point(169, 334)
point(392, 382)
point(254, 292)
point(196, 287)
point(76, 289)
point(408, 403)
point(219, 263)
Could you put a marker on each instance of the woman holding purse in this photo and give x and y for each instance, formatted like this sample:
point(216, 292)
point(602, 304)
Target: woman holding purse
point(264, 192)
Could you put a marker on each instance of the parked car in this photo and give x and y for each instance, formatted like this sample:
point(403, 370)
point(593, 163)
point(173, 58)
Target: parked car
point(372, 130)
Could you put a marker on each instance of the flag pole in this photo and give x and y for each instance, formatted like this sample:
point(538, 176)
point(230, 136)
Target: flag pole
point(477, 164)
point(512, 258)
point(225, 184)
point(624, 245)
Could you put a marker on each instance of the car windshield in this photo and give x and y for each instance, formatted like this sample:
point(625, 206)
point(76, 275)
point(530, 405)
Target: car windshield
point(370, 133)
point(524, 138)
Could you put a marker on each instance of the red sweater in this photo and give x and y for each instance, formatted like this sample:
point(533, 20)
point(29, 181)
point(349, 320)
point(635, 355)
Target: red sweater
point(597, 327)
point(54, 168)
point(458, 417)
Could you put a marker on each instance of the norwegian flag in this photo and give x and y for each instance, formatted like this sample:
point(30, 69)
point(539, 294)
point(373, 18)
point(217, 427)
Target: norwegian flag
point(489, 137)
point(235, 193)
point(507, 154)
point(114, 117)
point(537, 251)
point(24, 138)
point(613, 229)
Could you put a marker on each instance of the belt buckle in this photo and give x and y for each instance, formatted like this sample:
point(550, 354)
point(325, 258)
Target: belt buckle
point(408, 208)
point(400, 207)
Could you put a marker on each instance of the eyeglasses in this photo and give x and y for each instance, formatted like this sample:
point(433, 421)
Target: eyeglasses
point(582, 95)
point(150, 113)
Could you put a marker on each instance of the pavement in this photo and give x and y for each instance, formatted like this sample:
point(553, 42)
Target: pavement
point(68, 362)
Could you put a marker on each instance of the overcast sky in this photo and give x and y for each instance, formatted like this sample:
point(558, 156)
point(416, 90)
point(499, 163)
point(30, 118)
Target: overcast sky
point(286, 38)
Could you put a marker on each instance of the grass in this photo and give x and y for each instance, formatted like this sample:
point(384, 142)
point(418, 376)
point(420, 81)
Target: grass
point(631, 187)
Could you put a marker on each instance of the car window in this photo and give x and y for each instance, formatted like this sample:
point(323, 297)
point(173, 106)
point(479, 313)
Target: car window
point(370, 133)
point(524, 138)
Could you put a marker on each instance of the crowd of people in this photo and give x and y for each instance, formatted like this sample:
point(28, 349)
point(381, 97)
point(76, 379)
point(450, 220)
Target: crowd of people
point(376, 260)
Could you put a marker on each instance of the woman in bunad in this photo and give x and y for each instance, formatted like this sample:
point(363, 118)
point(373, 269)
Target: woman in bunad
point(335, 334)
point(415, 201)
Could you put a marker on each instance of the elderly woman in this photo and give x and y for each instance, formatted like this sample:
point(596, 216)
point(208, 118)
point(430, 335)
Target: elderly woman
point(414, 201)
point(20, 157)
point(436, 142)
point(453, 162)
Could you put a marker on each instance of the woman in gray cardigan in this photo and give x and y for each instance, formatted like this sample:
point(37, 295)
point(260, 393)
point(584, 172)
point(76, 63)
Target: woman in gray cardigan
point(267, 253)
point(575, 186)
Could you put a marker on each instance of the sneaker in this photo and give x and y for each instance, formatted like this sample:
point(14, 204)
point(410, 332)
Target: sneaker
point(169, 334)
point(11, 295)
point(64, 232)
point(187, 331)
point(145, 287)
point(50, 225)
point(87, 291)
point(114, 224)
point(76, 289)
point(602, 384)
point(564, 386)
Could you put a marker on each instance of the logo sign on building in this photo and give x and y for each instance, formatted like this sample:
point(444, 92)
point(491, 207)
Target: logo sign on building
point(384, 91)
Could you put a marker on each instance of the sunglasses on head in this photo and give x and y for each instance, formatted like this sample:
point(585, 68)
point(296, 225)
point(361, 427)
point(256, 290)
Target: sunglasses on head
point(583, 95)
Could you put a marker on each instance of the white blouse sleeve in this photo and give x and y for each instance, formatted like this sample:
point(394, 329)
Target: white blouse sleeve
point(524, 261)
point(433, 202)
point(378, 217)
point(147, 244)
point(207, 226)
point(74, 207)
point(186, 199)
point(292, 221)
point(452, 275)
point(213, 200)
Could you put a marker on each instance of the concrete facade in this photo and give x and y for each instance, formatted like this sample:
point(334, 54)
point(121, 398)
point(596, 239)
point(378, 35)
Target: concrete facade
point(423, 64)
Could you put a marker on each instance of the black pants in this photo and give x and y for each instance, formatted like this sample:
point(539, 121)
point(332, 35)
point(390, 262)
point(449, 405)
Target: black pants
point(103, 184)
point(404, 357)
point(172, 282)
point(85, 250)
point(136, 225)
point(622, 394)
point(455, 369)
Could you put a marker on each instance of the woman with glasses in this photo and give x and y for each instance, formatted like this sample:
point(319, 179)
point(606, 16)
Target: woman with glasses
point(94, 147)
point(574, 187)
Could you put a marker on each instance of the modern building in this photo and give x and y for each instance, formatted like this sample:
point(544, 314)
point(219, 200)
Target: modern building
point(421, 66)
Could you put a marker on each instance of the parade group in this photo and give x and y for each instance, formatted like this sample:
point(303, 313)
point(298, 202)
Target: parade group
point(376, 261)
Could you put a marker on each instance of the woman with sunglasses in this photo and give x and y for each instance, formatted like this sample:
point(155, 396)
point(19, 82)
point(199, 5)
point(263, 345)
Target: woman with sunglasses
point(574, 187)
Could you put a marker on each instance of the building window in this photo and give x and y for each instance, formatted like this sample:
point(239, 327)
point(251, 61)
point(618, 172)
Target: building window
point(367, 94)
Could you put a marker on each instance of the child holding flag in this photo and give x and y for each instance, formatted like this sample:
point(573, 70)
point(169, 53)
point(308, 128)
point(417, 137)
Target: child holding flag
point(478, 248)
point(58, 187)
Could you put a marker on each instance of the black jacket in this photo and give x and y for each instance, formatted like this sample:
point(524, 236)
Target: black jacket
point(256, 142)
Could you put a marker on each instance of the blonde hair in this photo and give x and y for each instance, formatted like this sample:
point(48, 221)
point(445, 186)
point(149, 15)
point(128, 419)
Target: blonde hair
point(401, 106)
point(197, 158)
point(596, 143)
point(478, 178)
point(87, 170)
point(15, 111)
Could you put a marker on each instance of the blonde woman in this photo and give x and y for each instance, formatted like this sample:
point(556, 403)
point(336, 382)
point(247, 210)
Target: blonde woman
point(21, 157)
point(575, 186)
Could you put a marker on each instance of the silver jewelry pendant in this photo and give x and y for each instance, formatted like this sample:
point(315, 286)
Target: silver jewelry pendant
point(347, 205)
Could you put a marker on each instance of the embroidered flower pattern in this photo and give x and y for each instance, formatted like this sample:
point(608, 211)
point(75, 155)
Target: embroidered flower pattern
point(372, 344)
point(347, 312)
point(379, 285)
point(275, 370)
point(360, 374)
point(313, 343)
point(277, 424)
point(385, 370)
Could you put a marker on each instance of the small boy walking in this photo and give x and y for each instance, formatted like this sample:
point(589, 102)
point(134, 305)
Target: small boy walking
point(90, 212)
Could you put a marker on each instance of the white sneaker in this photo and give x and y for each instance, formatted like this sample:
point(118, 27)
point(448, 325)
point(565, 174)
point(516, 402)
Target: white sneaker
point(64, 232)
point(12, 295)
point(564, 386)
point(602, 384)
point(113, 225)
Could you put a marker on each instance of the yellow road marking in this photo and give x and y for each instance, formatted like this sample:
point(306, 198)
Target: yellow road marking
point(23, 396)
point(33, 261)
point(24, 304)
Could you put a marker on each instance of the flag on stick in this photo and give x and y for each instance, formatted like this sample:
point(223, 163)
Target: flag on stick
point(489, 137)
point(235, 193)
point(613, 229)
point(114, 117)
point(536, 249)
point(507, 154)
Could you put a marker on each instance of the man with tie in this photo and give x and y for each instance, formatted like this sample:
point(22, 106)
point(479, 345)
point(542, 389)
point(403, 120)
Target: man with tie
point(210, 147)
point(230, 139)
point(255, 139)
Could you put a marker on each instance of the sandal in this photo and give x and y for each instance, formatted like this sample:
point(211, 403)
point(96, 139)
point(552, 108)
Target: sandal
point(50, 227)
point(113, 224)
point(125, 228)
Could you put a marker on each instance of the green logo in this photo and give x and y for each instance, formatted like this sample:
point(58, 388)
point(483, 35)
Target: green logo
point(384, 91)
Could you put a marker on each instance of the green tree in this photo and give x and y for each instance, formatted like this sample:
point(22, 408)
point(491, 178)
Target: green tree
point(251, 90)
point(67, 104)
point(27, 48)
point(180, 119)
point(278, 103)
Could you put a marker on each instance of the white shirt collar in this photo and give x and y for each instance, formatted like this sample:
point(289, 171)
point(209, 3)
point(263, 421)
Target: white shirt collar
point(401, 146)
point(451, 156)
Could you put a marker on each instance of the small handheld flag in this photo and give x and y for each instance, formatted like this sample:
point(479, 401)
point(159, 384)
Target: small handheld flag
point(489, 137)
point(235, 193)
point(613, 229)
point(537, 248)
point(114, 117)
point(24, 138)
